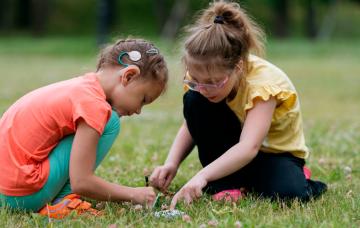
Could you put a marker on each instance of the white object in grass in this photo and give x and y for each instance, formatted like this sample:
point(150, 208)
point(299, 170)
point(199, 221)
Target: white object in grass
point(169, 214)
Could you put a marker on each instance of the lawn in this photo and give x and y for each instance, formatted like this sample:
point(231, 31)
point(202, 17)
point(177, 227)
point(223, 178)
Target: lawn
point(326, 75)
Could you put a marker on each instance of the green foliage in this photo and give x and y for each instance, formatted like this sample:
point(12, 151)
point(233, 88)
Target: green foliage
point(141, 17)
point(326, 76)
point(69, 17)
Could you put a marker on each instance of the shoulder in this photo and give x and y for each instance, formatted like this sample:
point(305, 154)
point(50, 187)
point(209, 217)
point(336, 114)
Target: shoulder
point(88, 97)
point(260, 70)
point(86, 87)
point(89, 103)
point(263, 74)
point(263, 81)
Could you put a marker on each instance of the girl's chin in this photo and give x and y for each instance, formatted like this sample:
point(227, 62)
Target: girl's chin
point(214, 99)
point(120, 113)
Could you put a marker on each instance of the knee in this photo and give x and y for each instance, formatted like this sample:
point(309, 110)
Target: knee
point(113, 125)
point(304, 192)
point(289, 193)
point(300, 194)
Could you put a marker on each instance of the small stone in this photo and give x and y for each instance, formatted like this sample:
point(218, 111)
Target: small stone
point(202, 226)
point(154, 158)
point(347, 170)
point(100, 206)
point(186, 218)
point(322, 161)
point(121, 211)
point(127, 204)
point(349, 193)
point(164, 207)
point(146, 172)
point(138, 207)
point(113, 226)
point(238, 224)
point(213, 223)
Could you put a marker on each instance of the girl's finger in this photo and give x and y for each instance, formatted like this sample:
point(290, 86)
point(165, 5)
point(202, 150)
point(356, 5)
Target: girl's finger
point(188, 197)
point(168, 181)
point(161, 179)
point(154, 177)
point(198, 193)
point(174, 202)
point(150, 201)
point(195, 194)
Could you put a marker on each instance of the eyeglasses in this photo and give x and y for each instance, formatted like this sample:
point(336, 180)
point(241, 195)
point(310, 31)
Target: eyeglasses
point(197, 86)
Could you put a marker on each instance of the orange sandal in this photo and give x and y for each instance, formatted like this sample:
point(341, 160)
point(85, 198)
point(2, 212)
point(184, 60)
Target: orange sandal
point(70, 203)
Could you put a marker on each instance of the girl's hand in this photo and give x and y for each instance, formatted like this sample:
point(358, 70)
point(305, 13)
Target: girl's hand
point(144, 196)
point(162, 176)
point(190, 191)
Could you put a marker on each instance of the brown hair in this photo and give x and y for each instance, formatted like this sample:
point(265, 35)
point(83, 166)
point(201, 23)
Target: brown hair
point(222, 36)
point(151, 65)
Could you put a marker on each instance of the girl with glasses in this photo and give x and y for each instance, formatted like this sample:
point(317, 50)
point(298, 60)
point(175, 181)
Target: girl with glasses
point(241, 112)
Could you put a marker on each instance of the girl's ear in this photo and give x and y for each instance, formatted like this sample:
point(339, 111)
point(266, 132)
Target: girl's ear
point(130, 73)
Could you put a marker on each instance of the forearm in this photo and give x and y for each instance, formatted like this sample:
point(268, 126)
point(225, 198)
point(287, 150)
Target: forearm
point(82, 162)
point(97, 188)
point(231, 161)
point(254, 131)
point(181, 147)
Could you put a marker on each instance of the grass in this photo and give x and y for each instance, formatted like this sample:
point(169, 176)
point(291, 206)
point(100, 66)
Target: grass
point(326, 76)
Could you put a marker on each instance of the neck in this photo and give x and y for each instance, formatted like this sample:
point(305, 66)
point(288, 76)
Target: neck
point(108, 79)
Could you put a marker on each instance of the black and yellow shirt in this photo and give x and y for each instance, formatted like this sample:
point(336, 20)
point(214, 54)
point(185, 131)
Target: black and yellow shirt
point(263, 81)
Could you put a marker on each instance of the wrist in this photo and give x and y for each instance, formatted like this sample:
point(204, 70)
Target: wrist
point(201, 174)
point(132, 193)
point(172, 164)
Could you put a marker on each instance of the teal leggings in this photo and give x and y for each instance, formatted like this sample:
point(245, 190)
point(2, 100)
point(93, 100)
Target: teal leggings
point(58, 183)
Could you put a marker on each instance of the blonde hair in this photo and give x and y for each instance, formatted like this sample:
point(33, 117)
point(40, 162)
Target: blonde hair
point(152, 66)
point(223, 44)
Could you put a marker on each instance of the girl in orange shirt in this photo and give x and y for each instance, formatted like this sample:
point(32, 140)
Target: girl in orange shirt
point(53, 138)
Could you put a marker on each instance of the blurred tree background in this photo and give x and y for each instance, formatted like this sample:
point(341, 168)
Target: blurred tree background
point(316, 42)
point(313, 19)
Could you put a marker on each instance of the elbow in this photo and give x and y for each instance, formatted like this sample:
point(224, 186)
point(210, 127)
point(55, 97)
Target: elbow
point(256, 147)
point(253, 150)
point(79, 186)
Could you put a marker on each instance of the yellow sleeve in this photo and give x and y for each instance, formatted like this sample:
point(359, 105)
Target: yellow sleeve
point(286, 99)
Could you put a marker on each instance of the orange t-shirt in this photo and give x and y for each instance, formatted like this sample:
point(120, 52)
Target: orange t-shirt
point(34, 125)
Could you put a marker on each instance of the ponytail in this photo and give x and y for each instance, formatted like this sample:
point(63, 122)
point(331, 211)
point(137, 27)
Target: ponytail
point(225, 32)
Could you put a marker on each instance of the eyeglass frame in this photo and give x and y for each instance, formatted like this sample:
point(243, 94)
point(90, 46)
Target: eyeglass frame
point(198, 86)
